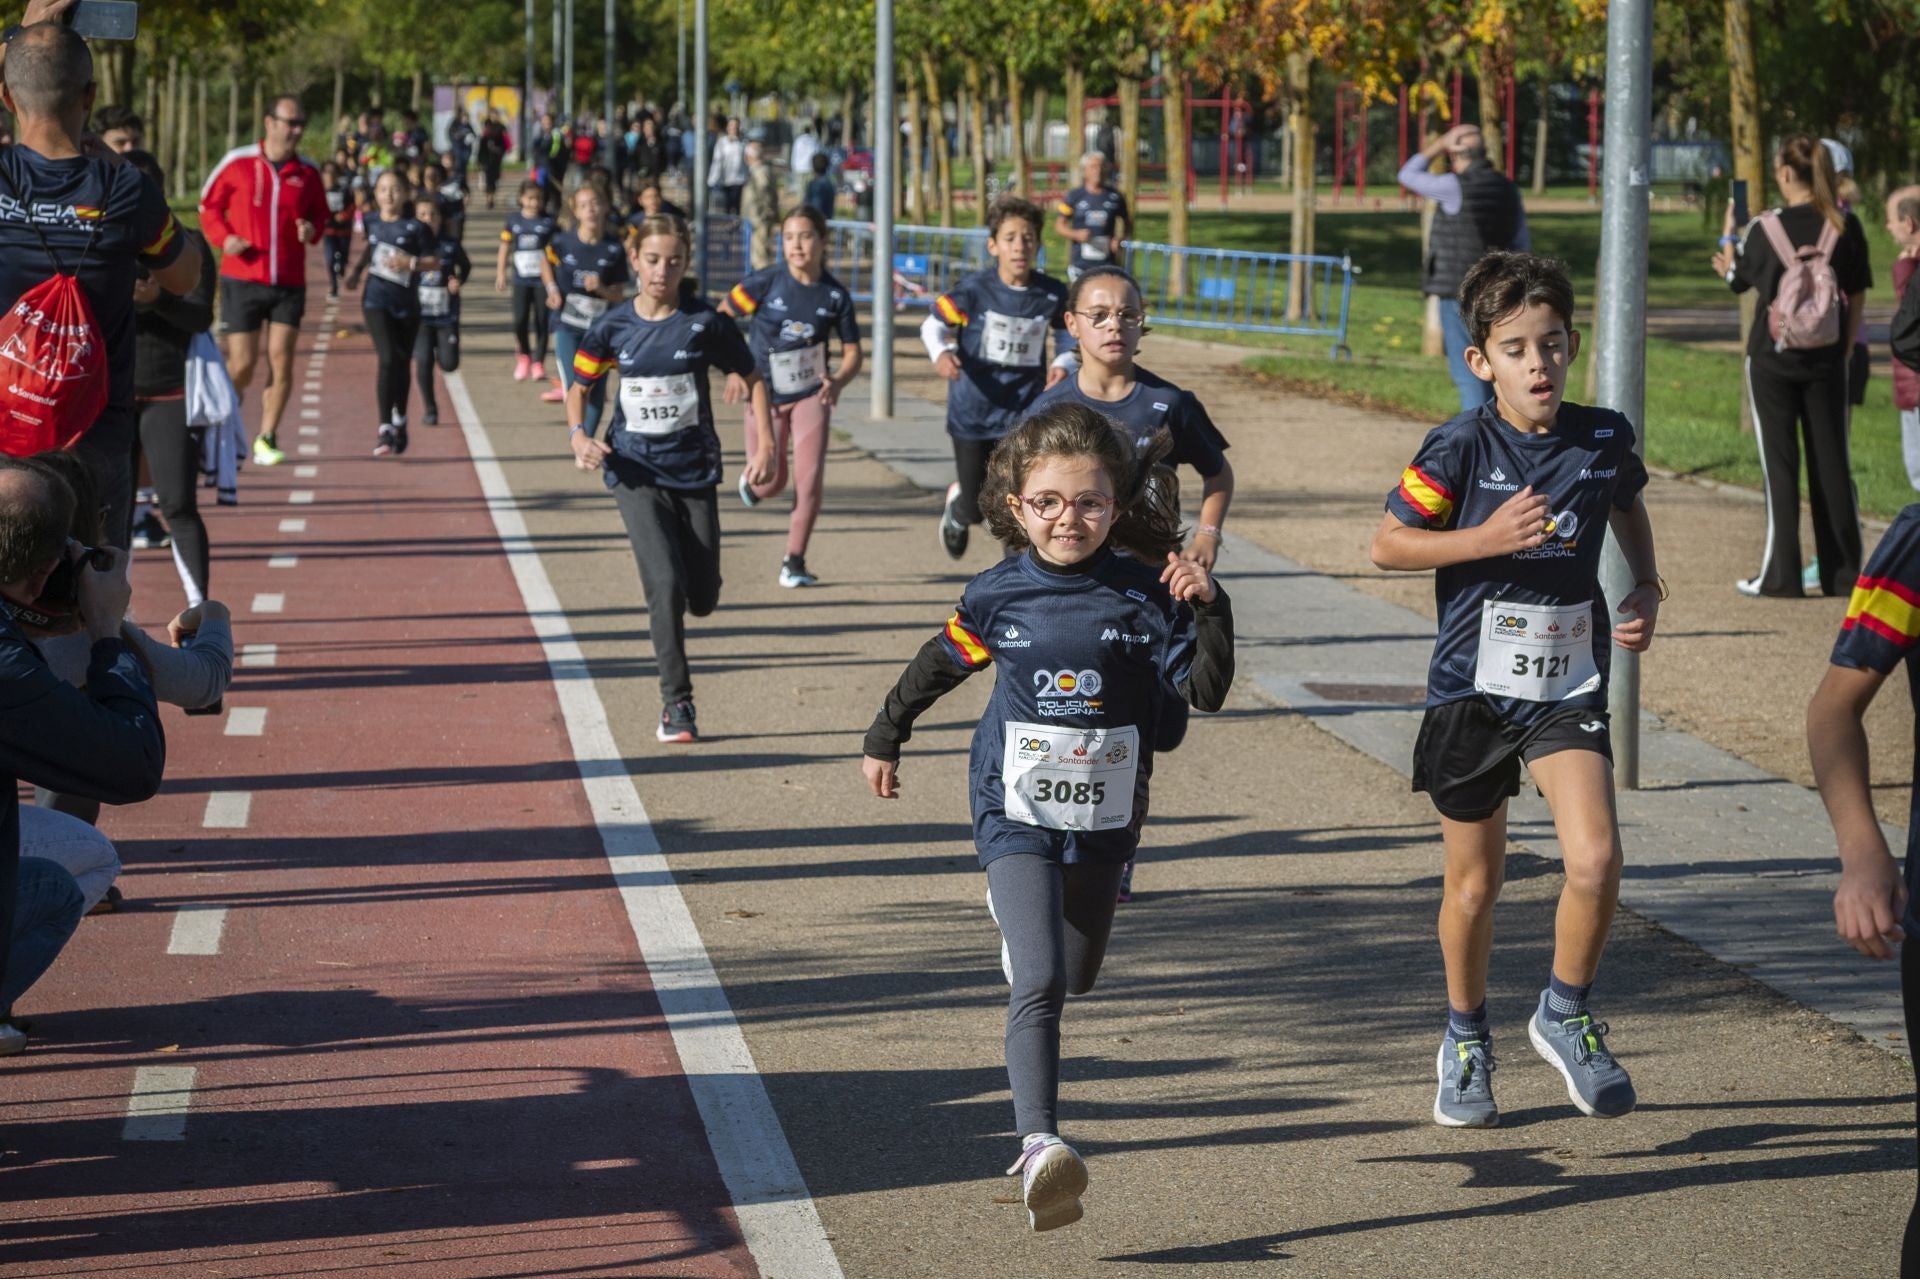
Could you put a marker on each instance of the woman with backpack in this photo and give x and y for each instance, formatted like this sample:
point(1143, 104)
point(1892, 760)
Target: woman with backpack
point(1807, 261)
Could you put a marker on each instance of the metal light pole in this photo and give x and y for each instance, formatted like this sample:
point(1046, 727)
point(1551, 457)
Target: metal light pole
point(885, 126)
point(1620, 311)
point(567, 94)
point(680, 84)
point(699, 127)
point(607, 67)
point(526, 98)
point(554, 107)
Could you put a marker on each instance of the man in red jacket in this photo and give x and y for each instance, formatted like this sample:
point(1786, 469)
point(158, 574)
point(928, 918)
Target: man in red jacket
point(264, 204)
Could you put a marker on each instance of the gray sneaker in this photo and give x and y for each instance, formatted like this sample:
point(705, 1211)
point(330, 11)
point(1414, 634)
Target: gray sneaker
point(1465, 1099)
point(1577, 1048)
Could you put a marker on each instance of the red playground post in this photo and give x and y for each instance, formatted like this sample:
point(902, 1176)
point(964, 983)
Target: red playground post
point(1593, 144)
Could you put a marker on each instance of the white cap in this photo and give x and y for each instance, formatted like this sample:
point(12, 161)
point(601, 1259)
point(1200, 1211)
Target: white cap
point(1842, 158)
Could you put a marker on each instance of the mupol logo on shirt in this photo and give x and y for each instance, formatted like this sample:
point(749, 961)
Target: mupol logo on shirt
point(1112, 633)
point(683, 355)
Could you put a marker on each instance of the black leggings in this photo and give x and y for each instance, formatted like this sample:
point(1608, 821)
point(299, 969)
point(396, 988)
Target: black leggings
point(970, 465)
point(173, 456)
point(1055, 919)
point(436, 344)
point(675, 535)
point(1910, 1000)
point(393, 337)
point(530, 312)
point(337, 246)
point(1792, 407)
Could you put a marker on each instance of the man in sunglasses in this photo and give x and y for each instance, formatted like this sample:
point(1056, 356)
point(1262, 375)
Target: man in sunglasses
point(263, 205)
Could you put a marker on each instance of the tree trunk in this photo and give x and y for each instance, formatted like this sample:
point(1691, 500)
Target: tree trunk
point(1540, 136)
point(200, 133)
point(1174, 117)
point(339, 95)
point(233, 105)
point(419, 84)
point(873, 125)
point(166, 129)
point(1017, 127)
point(380, 91)
point(978, 103)
point(1076, 117)
point(152, 114)
point(113, 71)
point(1129, 143)
point(1041, 101)
point(846, 115)
point(259, 108)
point(182, 135)
point(1487, 73)
point(1748, 162)
point(916, 143)
point(937, 135)
point(1300, 299)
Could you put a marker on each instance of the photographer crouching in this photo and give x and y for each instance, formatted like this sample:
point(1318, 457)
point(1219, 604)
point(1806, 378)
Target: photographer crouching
point(103, 742)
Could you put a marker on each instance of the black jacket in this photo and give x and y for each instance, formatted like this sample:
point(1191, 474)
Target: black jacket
point(1489, 218)
point(163, 331)
point(1905, 333)
point(103, 742)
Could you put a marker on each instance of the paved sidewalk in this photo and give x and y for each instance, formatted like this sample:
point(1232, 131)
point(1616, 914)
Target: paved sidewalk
point(1720, 852)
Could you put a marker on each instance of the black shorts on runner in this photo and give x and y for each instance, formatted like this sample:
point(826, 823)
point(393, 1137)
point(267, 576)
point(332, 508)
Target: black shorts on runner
point(1467, 758)
point(245, 306)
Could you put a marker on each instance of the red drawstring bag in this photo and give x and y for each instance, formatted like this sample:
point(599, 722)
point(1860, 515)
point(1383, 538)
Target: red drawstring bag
point(53, 360)
point(53, 368)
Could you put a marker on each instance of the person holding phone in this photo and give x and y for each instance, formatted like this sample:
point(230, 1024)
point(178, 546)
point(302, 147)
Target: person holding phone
point(1799, 385)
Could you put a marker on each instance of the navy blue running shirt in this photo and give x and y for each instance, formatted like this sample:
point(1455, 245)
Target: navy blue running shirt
point(661, 428)
point(573, 261)
point(389, 289)
point(788, 317)
point(1881, 631)
point(1153, 403)
point(1097, 211)
point(526, 240)
point(439, 305)
point(1465, 470)
point(1003, 349)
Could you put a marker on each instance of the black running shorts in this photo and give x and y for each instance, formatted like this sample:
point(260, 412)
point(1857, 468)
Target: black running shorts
point(1467, 758)
point(245, 305)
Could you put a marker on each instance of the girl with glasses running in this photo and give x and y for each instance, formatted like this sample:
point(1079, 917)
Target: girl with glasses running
point(1062, 756)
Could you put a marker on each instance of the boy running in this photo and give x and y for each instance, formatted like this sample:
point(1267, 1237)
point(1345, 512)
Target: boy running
point(987, 335)
point(1507, 502)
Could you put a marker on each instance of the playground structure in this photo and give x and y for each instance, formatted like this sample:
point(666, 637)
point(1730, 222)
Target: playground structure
point(1236, 141)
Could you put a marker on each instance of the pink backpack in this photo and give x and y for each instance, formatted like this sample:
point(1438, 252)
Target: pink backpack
point(1805, 313)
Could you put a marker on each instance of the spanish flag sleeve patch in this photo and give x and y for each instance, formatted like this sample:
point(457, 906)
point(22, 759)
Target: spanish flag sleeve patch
point(742, 300)
point(1886, 607)
point(966, 645)
point(1426, 495)
point(162, 240)
point(589, 367)
point(950, 312)
point(506, 236)
point(1064, 209)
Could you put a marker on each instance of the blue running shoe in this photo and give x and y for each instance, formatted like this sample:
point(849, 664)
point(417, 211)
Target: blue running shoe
point(1465, 1099)
point(1577, 1048)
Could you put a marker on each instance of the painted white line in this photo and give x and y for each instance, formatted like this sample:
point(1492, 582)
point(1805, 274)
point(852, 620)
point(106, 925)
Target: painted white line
point(312, 384)
point(259, 654)
point(301, 497)
point(293, 526)
point(157, 1107)
point(309, 450)
point(305, 472)
point(310, 430)
point(309, 413)
point(283, 561)
point(196, 930)
point(309, 399)
point(228, 810)
point(778, 1220)
point(246, 721)
point(270, 602)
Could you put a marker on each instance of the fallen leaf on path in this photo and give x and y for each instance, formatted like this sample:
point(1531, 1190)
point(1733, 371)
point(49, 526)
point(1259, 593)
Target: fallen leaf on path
point(744, 914)
point(1006, 1199)
point(170, 1048)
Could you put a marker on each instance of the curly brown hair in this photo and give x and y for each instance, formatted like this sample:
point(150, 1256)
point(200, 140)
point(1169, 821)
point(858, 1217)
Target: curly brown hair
point(1146, 522)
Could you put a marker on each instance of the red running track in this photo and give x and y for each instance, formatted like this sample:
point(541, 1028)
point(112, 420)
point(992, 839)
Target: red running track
point(427, 1045)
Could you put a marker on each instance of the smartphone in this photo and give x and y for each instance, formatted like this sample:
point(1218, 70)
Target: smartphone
point(1741, 214)
point(105, 19)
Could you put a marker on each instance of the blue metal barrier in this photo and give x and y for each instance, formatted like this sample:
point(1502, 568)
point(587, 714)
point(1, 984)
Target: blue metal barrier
point(1244, 292)
point(728, 257)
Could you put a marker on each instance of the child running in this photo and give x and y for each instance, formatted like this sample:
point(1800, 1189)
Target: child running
point(662, 455)
point(585, 273)
point(523, 246)
point(1062, 756)
point(794, 307)
point(1107, 319)
point(337, 235)
point(398, 249)
point(1507, 502)
point(987, 335)
point(439, 339)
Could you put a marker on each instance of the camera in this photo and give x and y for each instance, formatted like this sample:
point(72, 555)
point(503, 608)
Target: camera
point(59, 600)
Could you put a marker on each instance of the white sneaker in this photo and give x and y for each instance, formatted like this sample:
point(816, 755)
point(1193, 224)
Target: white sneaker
point(1055, 1179)
point(1748, 586)
point(13, 1040)
point(1006, 957)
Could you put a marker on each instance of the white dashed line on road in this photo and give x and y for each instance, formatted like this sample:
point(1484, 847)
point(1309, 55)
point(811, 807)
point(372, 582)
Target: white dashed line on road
point(301, 497)
point(196, 930)
point(310, 430)
point(305, 472)
point(269, 602)
point(246, 721)
point(309, 399)
point(228, 810)
point(283, 561)
point(293, 526)
point(309, 450)
point(309, 413)
point(259, 654)
point(157, 1107)
point(311, 385)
